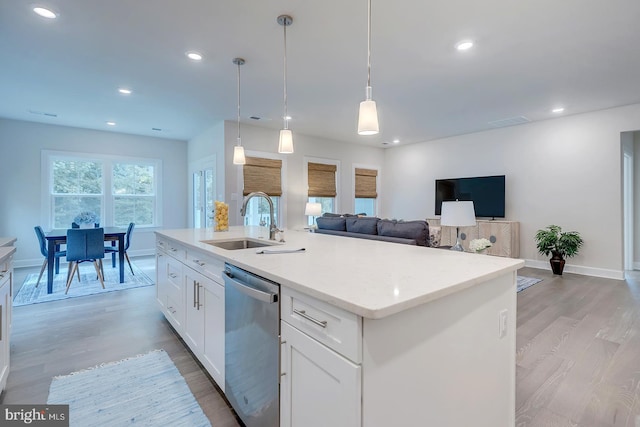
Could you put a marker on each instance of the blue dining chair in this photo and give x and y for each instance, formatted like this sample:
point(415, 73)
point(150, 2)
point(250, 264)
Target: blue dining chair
point(85, 244)
point(127, 241)
point(45, 252)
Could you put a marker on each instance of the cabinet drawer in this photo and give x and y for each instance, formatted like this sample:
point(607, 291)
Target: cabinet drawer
point(206, 264)
point(336, 328)
point(174, 312)
point(175, 250)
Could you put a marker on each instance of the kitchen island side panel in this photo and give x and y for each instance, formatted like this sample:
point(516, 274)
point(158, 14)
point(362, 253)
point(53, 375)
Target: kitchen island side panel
point(444, 362)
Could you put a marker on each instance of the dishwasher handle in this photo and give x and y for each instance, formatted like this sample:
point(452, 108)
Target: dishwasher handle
point(252, 292)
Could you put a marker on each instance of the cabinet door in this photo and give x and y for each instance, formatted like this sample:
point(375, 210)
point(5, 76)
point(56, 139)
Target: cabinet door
point(318, 387)
point(5, 314)
point(161, 279)
point(194, 312)
point(213, 351)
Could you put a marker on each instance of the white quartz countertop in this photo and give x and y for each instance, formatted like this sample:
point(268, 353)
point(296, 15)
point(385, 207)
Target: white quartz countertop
point(373, 279)
point(5, 252)
point(7, 241)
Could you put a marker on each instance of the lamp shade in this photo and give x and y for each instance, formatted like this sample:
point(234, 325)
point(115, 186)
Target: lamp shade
point(238, 155)
point(458, 214)
point(313, 209)
point(368, 118)
point(285, 145)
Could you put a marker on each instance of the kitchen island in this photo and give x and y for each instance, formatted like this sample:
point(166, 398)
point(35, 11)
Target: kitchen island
point(390, 334)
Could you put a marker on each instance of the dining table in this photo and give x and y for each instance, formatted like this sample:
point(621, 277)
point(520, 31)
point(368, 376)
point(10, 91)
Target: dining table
point(57, 237)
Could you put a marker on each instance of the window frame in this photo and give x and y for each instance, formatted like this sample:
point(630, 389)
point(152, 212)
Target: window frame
point(378, 199)
point(283, 184)
point(107, 214)
point(305, 174)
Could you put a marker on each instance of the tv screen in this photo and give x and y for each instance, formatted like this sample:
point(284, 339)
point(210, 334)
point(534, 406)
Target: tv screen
point(486, 193)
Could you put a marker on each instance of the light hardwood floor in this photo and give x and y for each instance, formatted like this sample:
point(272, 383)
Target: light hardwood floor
point(577, 362)
point(578, 358)
point(60, 337)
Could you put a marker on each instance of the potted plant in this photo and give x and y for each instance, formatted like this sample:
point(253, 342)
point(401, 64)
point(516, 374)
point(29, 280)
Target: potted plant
point(560, 244)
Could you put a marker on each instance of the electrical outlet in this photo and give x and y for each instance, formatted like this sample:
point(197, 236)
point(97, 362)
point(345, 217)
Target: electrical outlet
point(502, 318)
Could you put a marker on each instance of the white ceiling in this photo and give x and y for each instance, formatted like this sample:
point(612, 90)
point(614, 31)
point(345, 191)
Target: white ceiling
point(529, 57)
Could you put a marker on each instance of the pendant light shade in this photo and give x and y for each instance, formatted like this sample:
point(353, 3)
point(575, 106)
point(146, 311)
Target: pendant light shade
point(238, 155)
point(368, 114)
point(238, 150)
point(285, 145)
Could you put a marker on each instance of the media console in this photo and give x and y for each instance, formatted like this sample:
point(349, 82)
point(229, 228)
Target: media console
point(504, 235)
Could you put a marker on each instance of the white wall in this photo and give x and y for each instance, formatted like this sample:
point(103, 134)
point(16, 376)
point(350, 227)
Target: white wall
point(565, 171)
point(20, 174)
point(266, 140)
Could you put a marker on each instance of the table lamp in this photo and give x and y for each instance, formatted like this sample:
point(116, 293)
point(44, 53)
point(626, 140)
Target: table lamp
point(458, 214)
point(313, 210)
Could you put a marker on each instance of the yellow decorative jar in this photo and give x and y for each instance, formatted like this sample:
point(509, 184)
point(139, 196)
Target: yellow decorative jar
point(221, 216)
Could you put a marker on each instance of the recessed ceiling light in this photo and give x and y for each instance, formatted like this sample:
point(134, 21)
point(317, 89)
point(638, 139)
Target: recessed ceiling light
point(194, 56)
point(396, 141)
point(111, 123)
point(464, 45)
point(125, 91)
point(45, 13)
point(558, 110)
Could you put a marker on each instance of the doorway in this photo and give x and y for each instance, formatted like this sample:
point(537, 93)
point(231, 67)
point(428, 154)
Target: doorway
point(203, 190)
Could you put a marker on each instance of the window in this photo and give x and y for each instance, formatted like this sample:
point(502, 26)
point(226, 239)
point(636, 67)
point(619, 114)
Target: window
point(321, 181)
point(366, 191)
point(119, 190)
point(260, 174)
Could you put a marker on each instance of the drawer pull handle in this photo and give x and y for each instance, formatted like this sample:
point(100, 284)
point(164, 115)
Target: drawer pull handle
point(172, 275)
point(173, 249)
point(200, 263)
point(303, 313)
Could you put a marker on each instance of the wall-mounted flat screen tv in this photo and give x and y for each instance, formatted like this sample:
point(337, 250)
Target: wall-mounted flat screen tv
point(486, 193)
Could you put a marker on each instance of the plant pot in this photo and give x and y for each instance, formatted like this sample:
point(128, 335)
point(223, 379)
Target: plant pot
point(557, 264)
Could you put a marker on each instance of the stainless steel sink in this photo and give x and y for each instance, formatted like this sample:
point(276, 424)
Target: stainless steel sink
point(234, 244)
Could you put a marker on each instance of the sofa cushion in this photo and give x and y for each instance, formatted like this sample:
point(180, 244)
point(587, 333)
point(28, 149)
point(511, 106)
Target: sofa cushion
point(364, 225)
point(331, 223)
point(434, 236)
point(416, 230)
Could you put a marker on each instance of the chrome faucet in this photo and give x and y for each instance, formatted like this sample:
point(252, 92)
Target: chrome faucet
point(273, 229)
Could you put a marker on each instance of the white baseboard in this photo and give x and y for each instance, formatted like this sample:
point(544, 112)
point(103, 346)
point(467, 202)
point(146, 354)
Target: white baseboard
point(578, 269)
point(636, 265)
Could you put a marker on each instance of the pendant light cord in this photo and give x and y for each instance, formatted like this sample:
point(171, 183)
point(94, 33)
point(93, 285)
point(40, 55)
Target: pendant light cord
point(286, 121)
point(369, 48)
point(238, 141)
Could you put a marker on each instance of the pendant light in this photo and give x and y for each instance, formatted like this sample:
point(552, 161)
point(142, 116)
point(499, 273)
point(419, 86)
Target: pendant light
point(238, 150)
point(285, 144)
point(368, 116)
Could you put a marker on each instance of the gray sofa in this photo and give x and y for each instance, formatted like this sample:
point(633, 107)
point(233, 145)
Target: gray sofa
point(407, 232)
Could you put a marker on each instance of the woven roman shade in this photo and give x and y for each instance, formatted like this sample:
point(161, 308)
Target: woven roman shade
point(262, 175)
point(366, 183)
point(322, 180)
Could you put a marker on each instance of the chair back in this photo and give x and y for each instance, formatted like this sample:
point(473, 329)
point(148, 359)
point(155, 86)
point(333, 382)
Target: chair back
point(128, 236)
point(85, 243)
point(42, 240)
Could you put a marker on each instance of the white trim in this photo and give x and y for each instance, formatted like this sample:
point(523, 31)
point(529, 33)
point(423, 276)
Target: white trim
point(199, 166)
point(305, 178)
point(578, 269)
point(378, 186)
point(636, 265)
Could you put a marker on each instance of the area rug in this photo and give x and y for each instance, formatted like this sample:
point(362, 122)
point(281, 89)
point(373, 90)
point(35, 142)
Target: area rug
point(88, 285)
point(145, 390)
point(525, 282)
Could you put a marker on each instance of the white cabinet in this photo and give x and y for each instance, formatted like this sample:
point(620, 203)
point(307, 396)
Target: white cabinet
point(318, 387)
point(321, 372)
point(190, 292)
point(6, 293)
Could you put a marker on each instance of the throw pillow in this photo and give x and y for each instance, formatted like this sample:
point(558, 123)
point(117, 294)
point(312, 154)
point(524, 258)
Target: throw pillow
point(415, 230)
point(331, 223)
point(365, 225)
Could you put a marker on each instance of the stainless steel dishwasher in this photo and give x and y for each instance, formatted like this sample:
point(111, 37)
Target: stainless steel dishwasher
point(252, 346)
